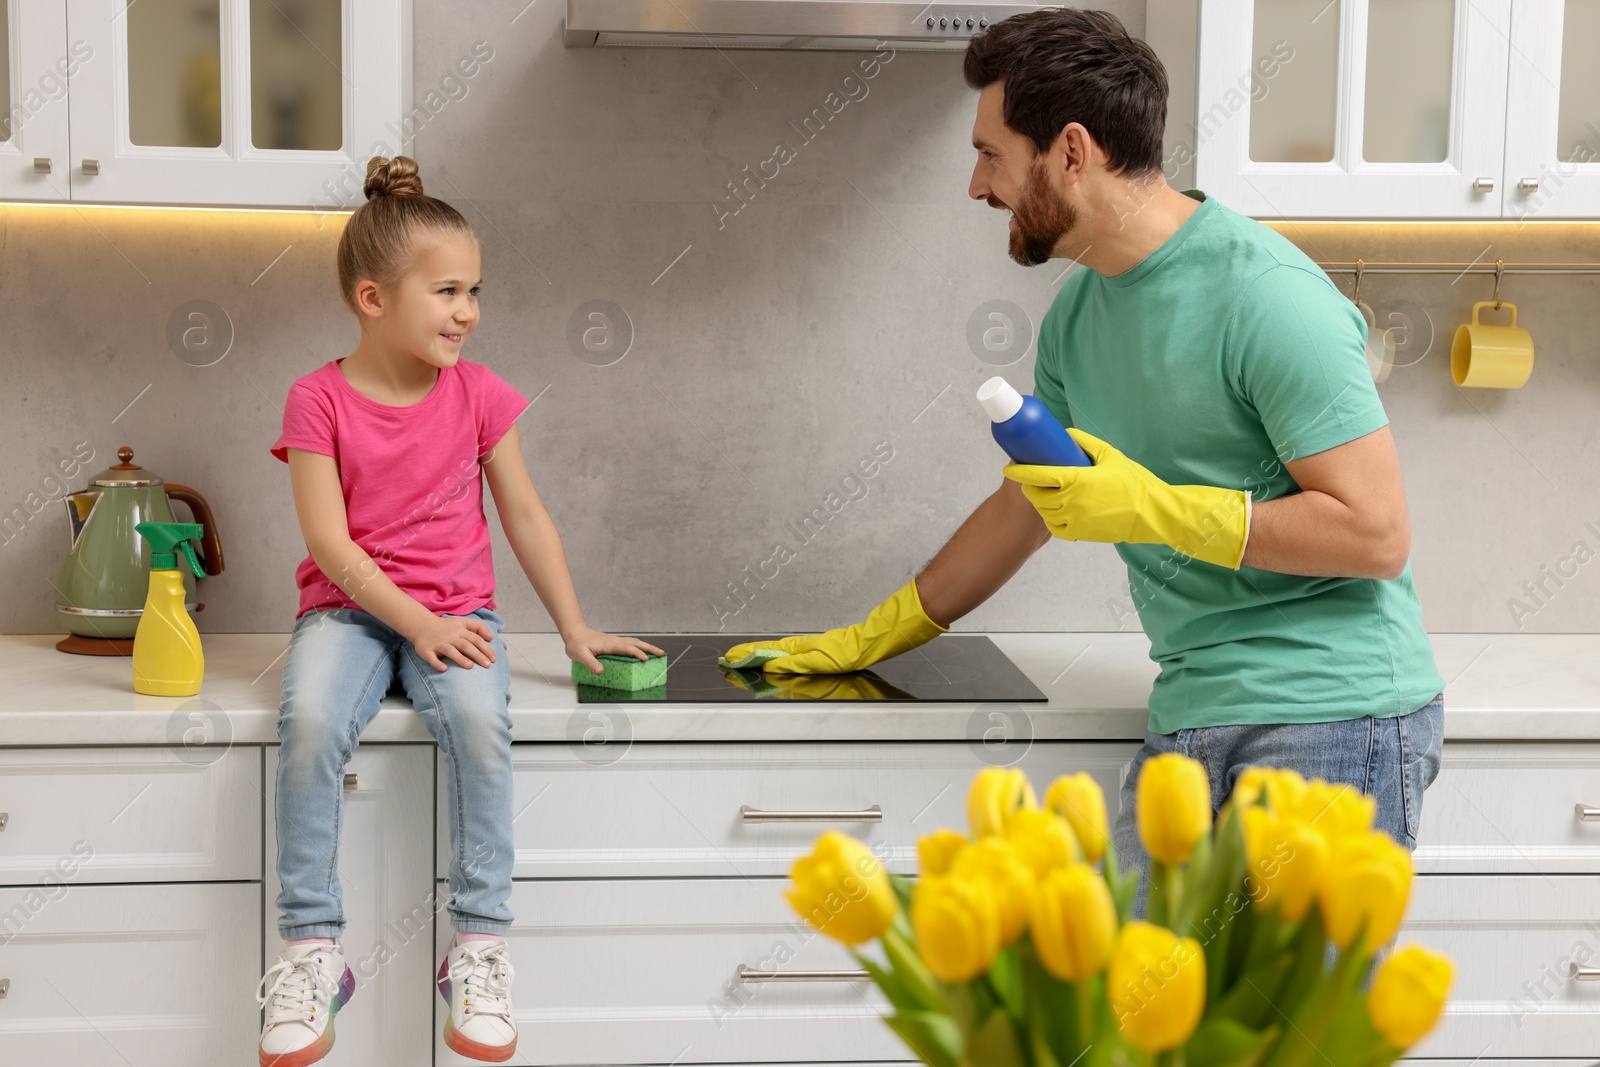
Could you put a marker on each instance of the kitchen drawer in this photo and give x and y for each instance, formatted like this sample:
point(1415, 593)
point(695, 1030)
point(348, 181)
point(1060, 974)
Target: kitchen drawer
point(1510, 807)
point(638, 971)
point(674, 809)
point(130, 976)
point(1512, 938)
point(129, 815)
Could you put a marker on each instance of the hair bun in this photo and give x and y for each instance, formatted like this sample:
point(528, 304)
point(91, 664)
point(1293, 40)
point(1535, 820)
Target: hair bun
point(392, 177)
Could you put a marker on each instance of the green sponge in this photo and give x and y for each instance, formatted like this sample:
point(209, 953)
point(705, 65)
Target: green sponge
point(623, 672)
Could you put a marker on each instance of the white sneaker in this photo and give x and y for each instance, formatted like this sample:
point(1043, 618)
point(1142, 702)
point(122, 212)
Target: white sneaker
point(475, 980)
point(301, 993)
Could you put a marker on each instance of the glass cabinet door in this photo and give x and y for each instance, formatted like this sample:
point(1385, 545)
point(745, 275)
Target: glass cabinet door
point(35, 63)
point(246, 102)
point(1379, 108)
point(1553, 133)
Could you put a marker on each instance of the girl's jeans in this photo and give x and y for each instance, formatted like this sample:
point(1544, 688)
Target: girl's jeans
point(1392, 760)
point(340, 665)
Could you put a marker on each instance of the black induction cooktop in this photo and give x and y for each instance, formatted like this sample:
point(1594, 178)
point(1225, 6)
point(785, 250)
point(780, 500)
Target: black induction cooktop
point(964, 668)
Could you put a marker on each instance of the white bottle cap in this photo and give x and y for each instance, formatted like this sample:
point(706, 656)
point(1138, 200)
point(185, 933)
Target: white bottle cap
point(999, 400)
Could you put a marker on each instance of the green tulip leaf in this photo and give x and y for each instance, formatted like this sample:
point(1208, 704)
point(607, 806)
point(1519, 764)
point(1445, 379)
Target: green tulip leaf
point(1005, 977)
point(1250, 1001)
point(888, 981)
point(1225, 1043)
point(994, 1043)
point(933, 1036)
point(913, 974)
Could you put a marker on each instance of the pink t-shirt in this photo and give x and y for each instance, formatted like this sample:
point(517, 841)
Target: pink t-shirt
point(412, 480)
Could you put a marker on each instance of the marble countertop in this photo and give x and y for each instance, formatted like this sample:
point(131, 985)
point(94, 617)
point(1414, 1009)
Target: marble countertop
point(1500, 686)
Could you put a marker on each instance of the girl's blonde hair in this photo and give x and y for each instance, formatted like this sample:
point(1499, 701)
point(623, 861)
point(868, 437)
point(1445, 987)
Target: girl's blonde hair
point(378, 241)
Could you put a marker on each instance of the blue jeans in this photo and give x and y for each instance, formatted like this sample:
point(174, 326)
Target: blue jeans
point(1391, 759)
point(340, 666)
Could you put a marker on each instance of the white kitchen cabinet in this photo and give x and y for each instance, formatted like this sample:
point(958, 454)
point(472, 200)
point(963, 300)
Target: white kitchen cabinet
point(226, 102)
point(385, 856)
point(1553, 136)
point(1400, 108)
point(1512, 808)
point(35, 64)
point(75, 815)
point(131, 976)
point(1512, 938)
point(678, 810)
point(639, 971)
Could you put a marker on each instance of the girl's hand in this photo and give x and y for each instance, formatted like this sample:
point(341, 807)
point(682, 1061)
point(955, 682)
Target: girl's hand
point(464, 640)
point(584, 643)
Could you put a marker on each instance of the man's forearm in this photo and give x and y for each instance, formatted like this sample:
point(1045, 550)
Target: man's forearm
point(990, 547)
point(1315, 534)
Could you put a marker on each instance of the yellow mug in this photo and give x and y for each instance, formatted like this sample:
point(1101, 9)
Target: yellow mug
point(1491, 357)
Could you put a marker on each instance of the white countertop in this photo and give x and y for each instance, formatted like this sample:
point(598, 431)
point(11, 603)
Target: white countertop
point(1500, 686)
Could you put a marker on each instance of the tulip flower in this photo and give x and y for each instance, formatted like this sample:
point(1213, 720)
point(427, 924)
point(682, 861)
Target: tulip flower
point(1044, 839)
point(1157, 986)
point(1077, 798)
point(936, 851)
point(1287, 857)
point(1010, 878)
point(1174, 806)
point(956, 924)
point(842, 890)
point(1073, 922)
point(1408, 993)
point(1367, 883)
point(1338, 810)
point(997, 794)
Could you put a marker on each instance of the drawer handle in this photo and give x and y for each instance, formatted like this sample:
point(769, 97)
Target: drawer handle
point(750, 974)
point(4, 818)
point(351, 783)
point(5, 987)
point(1584, 974)
point(749, 814)
point(1588, 814)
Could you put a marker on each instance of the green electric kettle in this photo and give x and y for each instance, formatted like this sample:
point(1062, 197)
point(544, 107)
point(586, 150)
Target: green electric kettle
point(100, 591)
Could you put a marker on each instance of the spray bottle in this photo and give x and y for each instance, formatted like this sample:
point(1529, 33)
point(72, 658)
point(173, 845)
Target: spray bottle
point(1027, 431)
point(167, 660)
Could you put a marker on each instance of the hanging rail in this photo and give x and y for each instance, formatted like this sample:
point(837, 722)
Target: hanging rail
point(1475, 267)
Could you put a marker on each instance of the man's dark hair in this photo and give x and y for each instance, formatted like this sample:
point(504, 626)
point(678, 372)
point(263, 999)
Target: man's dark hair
point(1062, 65)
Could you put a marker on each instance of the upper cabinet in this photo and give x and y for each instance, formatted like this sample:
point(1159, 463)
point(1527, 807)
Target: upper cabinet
point(208, 102)
point(1399, 108)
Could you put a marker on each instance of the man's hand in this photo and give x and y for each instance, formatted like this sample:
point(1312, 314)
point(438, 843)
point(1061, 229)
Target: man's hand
point(1118, 501)
point(895, 626)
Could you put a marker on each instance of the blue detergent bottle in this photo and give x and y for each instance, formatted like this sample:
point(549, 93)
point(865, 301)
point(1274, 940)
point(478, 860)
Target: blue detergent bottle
point(1027, 431)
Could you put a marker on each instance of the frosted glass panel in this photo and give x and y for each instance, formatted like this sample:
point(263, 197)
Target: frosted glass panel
point(5, 72)
point(1578, 119)
point(296, 81)
point(1410, 48)
point(174, 73)
point(1292, 107)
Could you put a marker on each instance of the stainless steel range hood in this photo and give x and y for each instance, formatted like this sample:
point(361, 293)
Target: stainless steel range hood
point(794, 25)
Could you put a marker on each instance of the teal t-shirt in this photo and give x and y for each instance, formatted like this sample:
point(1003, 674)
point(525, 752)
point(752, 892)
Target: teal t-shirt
point(1220, 356)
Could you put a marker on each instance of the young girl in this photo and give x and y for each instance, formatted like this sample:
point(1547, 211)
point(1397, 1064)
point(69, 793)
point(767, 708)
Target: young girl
point(384, 449)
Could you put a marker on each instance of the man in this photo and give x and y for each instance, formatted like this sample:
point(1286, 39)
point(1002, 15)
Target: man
point(1243, 466)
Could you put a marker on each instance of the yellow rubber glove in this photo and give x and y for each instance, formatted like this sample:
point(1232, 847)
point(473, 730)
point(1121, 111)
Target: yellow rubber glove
point(1118, 501)
point(897, 625)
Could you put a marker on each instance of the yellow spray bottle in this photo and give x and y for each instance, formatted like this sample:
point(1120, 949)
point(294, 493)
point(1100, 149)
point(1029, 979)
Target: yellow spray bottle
point(167, 660)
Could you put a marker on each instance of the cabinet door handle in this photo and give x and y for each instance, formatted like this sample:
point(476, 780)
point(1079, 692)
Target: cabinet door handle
point(1585, 814)
point(1528, 185)
point(750, 974)
point(4, 818)
point(351, 783)
point(5, 987)
point(91, 167)
point(1584, 974)
point(41, 164)
point(749, 814)
point(1484, 185)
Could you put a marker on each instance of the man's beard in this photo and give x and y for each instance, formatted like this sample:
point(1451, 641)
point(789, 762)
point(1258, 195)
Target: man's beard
point(1042, 220)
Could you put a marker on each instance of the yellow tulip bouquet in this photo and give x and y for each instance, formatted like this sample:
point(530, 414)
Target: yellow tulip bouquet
point(1013, 949)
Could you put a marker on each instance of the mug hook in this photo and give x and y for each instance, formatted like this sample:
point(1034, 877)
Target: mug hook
point(1499, 270)
point(1355, 297)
